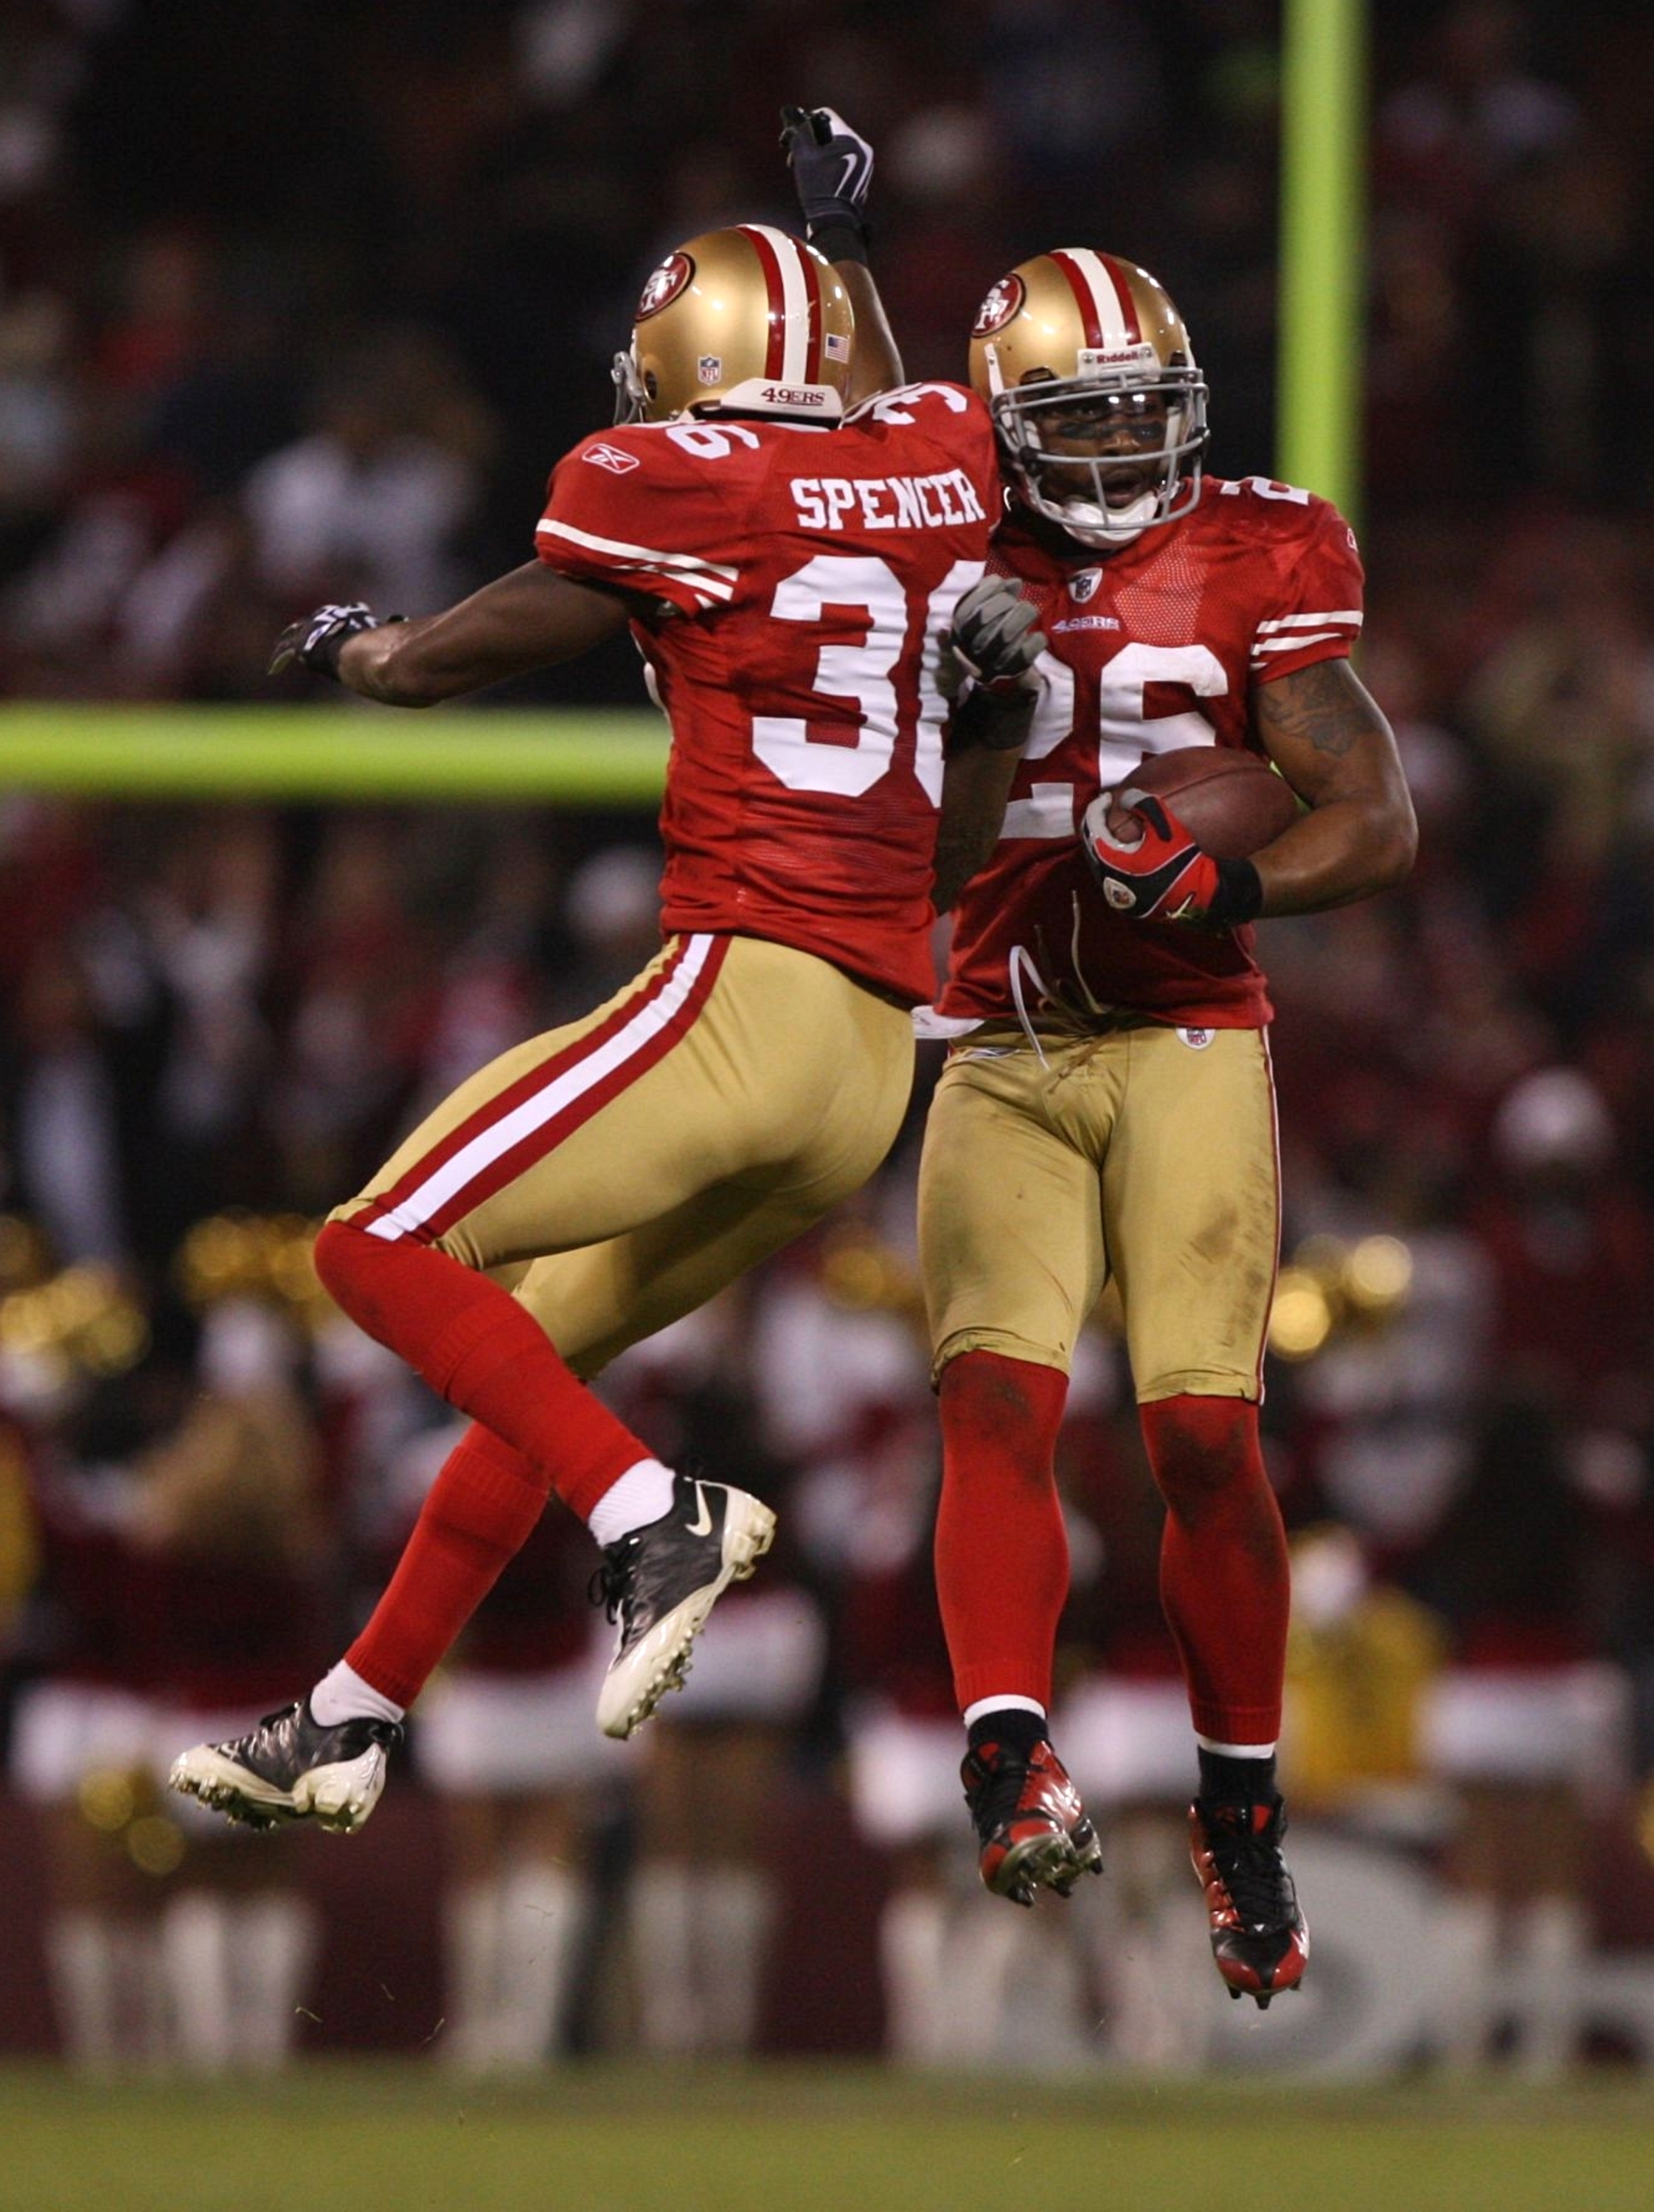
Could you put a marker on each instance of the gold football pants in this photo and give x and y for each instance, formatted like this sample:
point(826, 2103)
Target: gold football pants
point(618, 1171)
point(1136, 1159)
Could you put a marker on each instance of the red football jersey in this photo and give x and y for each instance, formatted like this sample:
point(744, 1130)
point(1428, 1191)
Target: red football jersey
point(1155, 647)
point(799, 578)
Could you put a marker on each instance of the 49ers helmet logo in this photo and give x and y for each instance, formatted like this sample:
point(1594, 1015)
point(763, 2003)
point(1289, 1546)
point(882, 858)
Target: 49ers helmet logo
point(664, 284)
point(1002, 302)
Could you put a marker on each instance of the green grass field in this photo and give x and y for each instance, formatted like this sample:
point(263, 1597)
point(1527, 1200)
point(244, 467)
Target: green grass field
point(604, 2138)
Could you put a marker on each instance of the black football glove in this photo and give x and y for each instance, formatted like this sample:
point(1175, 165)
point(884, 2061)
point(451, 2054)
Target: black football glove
point(315, 638)
point(832, 167)
point(995, 642)
point(996, 638)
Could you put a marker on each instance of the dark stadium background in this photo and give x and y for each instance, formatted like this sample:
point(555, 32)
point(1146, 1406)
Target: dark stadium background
point(217, 224)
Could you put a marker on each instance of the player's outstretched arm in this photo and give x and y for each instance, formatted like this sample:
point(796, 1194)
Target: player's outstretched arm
point(994, 645)
point(1326, 733)
point(975, 786)
point(530, 618)
point(832, 168)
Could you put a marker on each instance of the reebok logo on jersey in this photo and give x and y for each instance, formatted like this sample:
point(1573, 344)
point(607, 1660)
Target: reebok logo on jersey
point(938, 503)
point(610, 457)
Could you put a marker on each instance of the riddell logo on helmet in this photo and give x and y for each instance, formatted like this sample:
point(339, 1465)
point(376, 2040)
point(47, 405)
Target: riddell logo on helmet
point(1002, 303)
point(664, 284)
point(1090, 357)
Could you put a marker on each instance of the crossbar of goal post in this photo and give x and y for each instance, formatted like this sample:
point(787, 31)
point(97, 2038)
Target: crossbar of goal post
point(571, 757)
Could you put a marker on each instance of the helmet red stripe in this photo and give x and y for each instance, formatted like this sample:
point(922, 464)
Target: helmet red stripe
point(1085, 297)
point(812, 293)
point(774, 359)
point(1122, 293)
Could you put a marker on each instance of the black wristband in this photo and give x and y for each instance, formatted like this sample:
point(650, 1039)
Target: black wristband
point(324, 657)
point(839, 238)
point(1000, 724)
point(1240, 895)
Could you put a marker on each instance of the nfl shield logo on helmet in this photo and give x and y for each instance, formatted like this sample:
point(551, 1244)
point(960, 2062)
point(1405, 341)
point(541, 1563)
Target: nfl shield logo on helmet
point(710, 368)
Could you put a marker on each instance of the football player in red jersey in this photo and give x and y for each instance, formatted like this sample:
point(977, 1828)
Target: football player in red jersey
point(802, 582)
point(1108, 1111)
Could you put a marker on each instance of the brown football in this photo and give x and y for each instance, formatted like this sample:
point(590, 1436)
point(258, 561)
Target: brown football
point(1232, 802)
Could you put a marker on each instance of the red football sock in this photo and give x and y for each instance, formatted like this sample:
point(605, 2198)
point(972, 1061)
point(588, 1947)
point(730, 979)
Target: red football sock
point(478, 1512)
point(1224, 1576)
point(483, 1352)
point(1001, 1545)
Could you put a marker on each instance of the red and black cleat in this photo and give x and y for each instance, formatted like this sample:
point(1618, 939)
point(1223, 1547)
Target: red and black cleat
point(1258, 1936)
point(1032, 1827)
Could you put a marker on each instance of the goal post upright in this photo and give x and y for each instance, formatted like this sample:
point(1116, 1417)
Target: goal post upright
point(1320, 332)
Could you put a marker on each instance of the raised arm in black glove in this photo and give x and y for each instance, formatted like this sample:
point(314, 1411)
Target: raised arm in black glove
point(314, 640)
point(832, 167)
point(994, 644)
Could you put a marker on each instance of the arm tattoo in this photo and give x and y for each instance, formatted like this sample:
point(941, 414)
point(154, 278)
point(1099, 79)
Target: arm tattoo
point(1316, 708)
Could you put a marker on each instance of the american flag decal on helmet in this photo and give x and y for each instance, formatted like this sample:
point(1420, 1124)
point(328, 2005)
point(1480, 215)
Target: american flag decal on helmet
point(836, 346)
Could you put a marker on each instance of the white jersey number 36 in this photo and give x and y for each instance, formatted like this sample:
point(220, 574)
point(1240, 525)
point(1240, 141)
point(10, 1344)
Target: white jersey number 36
point(855, 682)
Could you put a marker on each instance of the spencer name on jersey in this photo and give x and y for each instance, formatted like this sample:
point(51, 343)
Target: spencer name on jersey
point(937, 503)
point(791, 615)
point(1155, 647)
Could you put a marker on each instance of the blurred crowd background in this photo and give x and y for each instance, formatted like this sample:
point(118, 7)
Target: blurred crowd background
point(305, 304)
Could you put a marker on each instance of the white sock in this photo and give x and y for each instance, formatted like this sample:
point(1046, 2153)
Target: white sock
point(734, 1908)
point(912, 1936)
point(663, 1942)
point(276, 1937)
point(342, 1695)
point(974, 1712)
point(642, 1494)
point(540, 1913)
point(81, 1955)
point(195, 1956)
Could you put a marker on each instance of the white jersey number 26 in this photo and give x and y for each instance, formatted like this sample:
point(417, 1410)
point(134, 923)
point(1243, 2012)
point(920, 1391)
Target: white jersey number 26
point(1124, 735)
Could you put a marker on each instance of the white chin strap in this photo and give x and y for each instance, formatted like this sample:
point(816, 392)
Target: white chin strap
point(1102, 527)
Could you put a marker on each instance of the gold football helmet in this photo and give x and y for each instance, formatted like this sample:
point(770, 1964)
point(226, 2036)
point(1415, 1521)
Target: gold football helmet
point(747, 320)
point(1090, 379)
